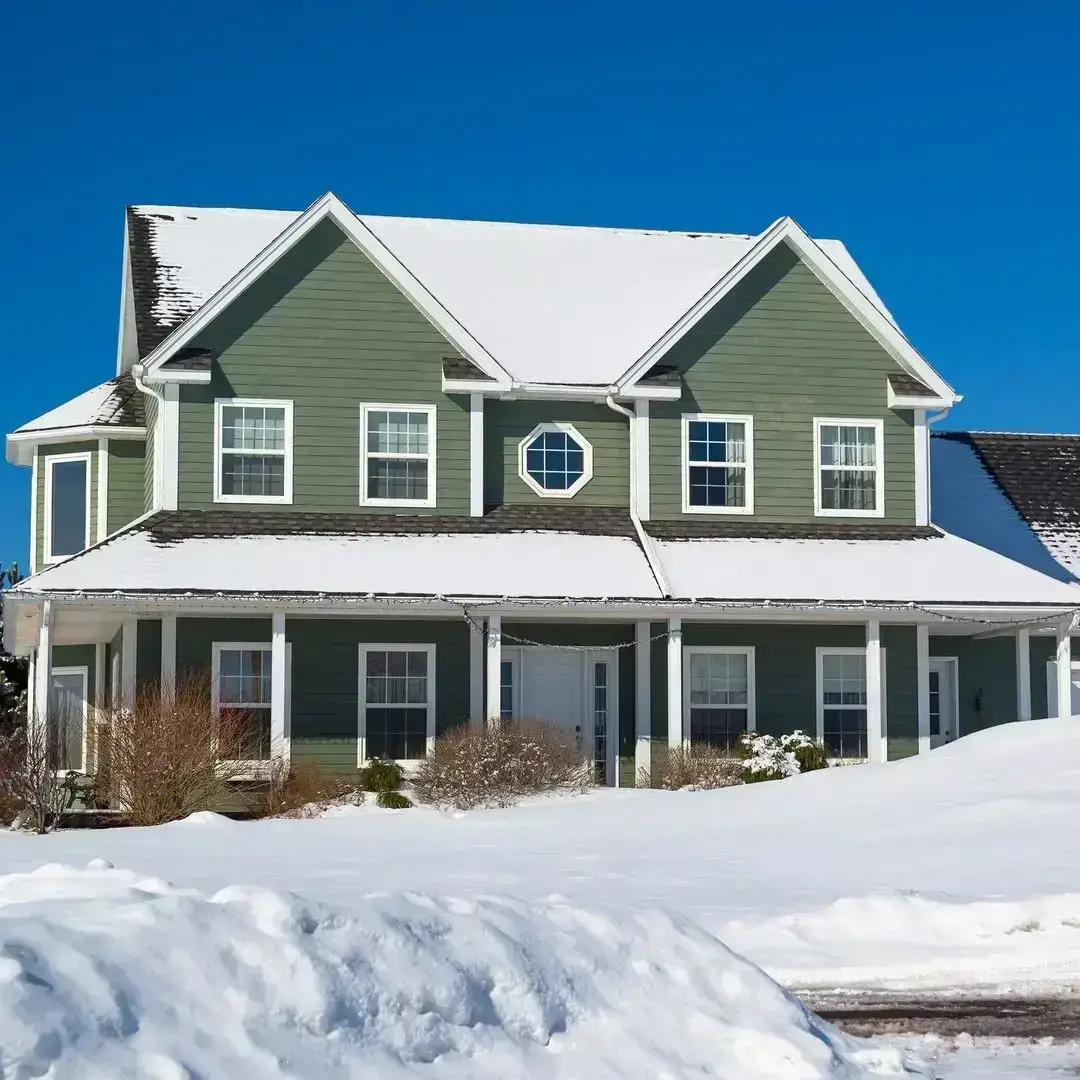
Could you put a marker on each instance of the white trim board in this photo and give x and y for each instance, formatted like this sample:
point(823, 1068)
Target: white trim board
point(362, 703)
point(559, 428)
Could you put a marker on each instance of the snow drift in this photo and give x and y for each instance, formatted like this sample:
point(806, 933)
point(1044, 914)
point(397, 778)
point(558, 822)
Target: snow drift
point(106, 974)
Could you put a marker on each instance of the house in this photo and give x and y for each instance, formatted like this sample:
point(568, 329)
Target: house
point(379, 476)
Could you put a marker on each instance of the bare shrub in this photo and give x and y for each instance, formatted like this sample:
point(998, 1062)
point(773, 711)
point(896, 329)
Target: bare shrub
point(37, 787)
point(301, 791)
point(696, 767)
point(500, 764)
point(163, 758)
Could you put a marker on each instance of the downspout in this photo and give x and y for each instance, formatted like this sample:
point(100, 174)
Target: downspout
point(651, 554)
point(137, 372)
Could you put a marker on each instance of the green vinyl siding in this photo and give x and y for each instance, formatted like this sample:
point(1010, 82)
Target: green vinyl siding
point(325, 329)
point(781, 348)
point(150, 450)
point(901, 690)
point(506, 423)
point(126, 499)
point(986, 679)
point(148, 652)
point(44, 454)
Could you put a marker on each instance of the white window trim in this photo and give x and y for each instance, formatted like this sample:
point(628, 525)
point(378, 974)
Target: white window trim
point(84, 673)
point(565, 429)
point(85, 456)
point(433, 416)
point(279, 740)
point(847, 650)
point(361, 696)
point(751, 681)
point(954, 664)
point(721, 418)
point(879, 467)
point(220, 404)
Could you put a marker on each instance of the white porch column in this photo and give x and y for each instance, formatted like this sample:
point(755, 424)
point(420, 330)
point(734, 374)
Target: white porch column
point(43, 665)
point(168, 657)
point(1023, 674)
point(922, 649)
point(476, 455)
point(476, 674)
point(494, 669)
point(129, 643)
point(875, 729)
point(674, 683)
point(280, 736)
point(642, 700)
point(31, 685)
point(1063, 656)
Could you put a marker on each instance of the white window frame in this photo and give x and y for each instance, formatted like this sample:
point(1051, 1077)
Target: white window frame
point(749, 651)
point(280, 741)
point(573, 433)
point(84, 673)
point(433, 415)
point(848, 650)
point(747, 467)
point(220, 404)
point(362, 702)
point(85, 456)
point(879, 467)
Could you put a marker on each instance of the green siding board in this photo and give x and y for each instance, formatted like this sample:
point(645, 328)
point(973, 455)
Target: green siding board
point(126, 495)
point(44, 454)
point(148, 653)
point(986, 678)
point(327, 330)
point(781, 348)
point(901, 690)
point(506, 423)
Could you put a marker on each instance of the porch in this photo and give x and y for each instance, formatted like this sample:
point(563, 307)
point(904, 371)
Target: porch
point(336, 688)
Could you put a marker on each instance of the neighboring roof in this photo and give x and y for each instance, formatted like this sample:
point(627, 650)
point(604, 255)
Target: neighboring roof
point(1017, 494)
point(532, 553)
point(552, 304)
point(116, 403)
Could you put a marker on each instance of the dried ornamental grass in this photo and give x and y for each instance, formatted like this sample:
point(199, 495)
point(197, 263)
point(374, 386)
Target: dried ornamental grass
point(696, 767)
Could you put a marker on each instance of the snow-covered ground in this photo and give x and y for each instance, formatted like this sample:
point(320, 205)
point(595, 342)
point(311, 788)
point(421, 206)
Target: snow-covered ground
point(569, 937)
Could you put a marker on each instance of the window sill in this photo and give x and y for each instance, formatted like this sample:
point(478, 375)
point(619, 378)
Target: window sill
point(428, 503)
point(284, 500)
point(740, 511)
point(819, 513)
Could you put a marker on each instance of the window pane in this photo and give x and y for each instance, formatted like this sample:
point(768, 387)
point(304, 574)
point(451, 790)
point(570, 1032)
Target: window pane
point(717, 727)
point(717, 485)
point(719, 679)
point(555, 460)
point(843, 679)
point(717, 441)
point(397, 478)
point(935, 703)
point(397, 432)
point(68, 508)
point(841, 490)
point(65, 733)
point(251, 427)
point(396, 678)
point(506, 689)
point(251, 475)
point(846, 446)
point(600, 720)
point(396, 734)
point(845, 732)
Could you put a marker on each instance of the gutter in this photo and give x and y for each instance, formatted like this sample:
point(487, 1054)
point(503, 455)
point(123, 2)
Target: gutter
point(652, 556)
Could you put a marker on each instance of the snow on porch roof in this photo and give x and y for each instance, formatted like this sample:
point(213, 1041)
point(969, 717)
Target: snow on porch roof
point(552, 303)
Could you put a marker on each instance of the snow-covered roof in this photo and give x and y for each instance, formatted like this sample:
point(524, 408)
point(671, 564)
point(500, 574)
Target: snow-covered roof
point(173, 555)
point(116, 403)
point(552, 303)
point(1018, 495)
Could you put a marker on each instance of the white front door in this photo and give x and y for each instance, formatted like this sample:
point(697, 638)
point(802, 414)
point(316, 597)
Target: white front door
point(572, 688)
point(943, 718)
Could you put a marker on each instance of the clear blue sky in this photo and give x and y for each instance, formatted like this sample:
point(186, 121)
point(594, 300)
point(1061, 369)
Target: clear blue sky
point(938, 140)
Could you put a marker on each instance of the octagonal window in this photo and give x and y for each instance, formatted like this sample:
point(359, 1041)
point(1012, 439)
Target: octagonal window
point(556, 461)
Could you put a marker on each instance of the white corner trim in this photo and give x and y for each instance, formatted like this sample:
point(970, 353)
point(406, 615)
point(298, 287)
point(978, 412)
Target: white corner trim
point(220, 404)
point(476, 455)
point(329, 206)
point(751, 680)
point(922, 679)
point(35, 476)
point(363, 704)
point(922, 468)
point(786, 230)
point(675, 733)
point(168, 655)
point(573, 433)
point(879, 465)
point(102, 490)
point(280, 685)
point(170, 446)
point(85, 456)
point(641, 452)
point(431, 457)
point(748, 466)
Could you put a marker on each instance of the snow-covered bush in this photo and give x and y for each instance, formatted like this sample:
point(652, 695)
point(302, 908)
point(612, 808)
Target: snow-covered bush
point(696, 767)
point(774, 757)
point(497, 765)
point(301, 791)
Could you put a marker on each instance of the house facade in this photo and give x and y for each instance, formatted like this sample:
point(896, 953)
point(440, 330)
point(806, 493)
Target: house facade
point(380, 476)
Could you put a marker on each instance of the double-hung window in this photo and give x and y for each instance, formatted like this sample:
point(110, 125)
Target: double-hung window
point(67, 505)
point(253, 451)
point(397, 455)
point(241, 692)
point(397, 702)
point(849, 472)
point(718, 464)
point(842, 702)
point(719, 694)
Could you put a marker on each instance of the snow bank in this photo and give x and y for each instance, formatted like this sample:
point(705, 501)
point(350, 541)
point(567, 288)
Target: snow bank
point(104, 973)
